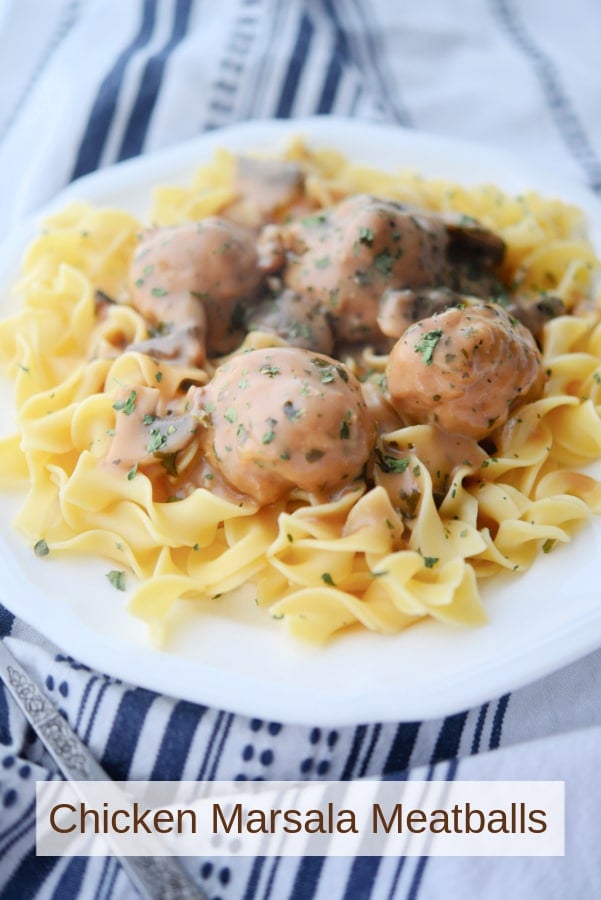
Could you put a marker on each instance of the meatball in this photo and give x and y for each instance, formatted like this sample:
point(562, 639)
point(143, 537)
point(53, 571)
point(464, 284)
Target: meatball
point(345, 258)
point(298, 320)
point(464, 370)
point(197, 274)
point(286, 417)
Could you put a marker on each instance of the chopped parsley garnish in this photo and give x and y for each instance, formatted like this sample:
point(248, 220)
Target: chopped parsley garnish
point(132, 472)
point(345, 430)
point(126, 406)
point(427, 344)
point(117, 579)
point(156, 441)
point(41, 548)
point(148, 419)
point(270, 371)
point(230, 414)
point(327, 578)
point(366, 236)
point(384, 262)
point(430, 561)
point(327, 375)
point(393, 464)
point(268, 437)
point(311, 221)
point(168, 461)
point(159, 292)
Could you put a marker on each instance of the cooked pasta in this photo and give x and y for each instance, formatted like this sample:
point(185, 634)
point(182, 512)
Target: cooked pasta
point(360, 391)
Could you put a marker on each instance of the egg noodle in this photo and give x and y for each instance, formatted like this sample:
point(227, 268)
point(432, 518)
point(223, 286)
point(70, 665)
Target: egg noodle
point(320, 567)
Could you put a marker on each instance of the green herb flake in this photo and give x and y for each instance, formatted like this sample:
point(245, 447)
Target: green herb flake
point(427, 344)
point(366, 236)
point(41, 548)
point(312, 221)
point(132, 472)
point(159, 292)
point(430, 561)
point(230, 414)
point(391, 464)
point(384, 262)
point(268, 437)
point(117, 579)
point(169, 463)
point(548, 545)
point(158, 377)
point(148, 419)
point(270, 371)
point(126, 406)
point(327, 579)
point(156, 441)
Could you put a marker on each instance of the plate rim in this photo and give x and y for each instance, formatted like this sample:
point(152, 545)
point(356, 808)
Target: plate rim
point(583, 635)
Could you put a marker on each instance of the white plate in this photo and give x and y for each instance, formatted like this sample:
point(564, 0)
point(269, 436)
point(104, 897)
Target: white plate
point(231, 654)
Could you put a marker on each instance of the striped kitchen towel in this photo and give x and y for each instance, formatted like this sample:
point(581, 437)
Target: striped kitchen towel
point(86, 83)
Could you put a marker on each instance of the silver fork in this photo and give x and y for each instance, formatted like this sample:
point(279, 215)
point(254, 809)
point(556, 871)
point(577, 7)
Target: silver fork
point(155, 878)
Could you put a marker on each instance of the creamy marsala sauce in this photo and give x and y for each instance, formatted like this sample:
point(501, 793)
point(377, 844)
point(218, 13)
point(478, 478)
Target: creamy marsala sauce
point(301, 407)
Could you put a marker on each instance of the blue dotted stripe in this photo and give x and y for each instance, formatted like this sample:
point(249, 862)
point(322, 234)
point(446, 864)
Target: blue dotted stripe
point(232, 67)
point(449, 737)
point(497, 724)
point(477, 737)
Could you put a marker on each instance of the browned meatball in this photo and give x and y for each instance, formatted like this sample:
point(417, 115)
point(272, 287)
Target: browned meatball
point(464, 370)
point(286, 417)
point(346, 257)
point(196, 274)
point(296, 319)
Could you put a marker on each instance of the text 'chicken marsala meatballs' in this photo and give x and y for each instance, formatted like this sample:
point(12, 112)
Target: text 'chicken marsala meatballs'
point(283, 418)
point(464, 370)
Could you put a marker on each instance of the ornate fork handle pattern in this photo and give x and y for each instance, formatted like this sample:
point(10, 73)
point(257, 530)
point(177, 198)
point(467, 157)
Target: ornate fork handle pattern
point(156, 878)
